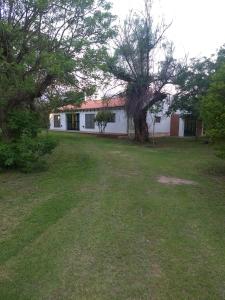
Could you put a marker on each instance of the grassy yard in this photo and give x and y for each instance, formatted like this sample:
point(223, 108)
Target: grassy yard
point(98, 225)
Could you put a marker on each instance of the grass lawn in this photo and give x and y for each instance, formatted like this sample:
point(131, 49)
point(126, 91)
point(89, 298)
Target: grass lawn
point(98, 225)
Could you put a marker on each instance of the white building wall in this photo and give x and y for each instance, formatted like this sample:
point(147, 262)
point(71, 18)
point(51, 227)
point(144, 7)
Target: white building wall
point(181, 127)
point(119, 126)
point(62, 122)
point(162, 128)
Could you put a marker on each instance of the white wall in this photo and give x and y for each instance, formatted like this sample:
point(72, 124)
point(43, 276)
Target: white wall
point(162, 128)
point(181, 127)
point(120, 125)
point(62, 121)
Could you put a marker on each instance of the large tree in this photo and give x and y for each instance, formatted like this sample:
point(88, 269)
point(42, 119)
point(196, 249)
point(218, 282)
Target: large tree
point(143, 59)
point(213, 107)
point(45, 44)
point(194, 80)
point(192, 83)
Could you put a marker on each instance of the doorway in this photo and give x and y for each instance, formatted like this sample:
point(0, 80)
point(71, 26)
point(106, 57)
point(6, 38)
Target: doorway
point(73, 121)
point(189, 126)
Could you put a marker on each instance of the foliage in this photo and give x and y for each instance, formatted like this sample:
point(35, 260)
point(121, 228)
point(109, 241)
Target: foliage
point(144, 60)
point(193, 81)
point(26, 153)
point(213, 108)
point(25, 150)
point(23, 121)
point(48, 46)
point(102, 119)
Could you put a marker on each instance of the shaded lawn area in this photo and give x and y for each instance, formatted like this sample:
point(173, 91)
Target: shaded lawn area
point(98, 225)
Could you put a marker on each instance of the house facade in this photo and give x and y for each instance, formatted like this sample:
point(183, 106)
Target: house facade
point(82, 119)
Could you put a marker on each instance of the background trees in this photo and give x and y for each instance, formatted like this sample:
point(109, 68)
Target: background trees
point(200, 89)
point(192, 83)
point(46, 43)
point(144, 60)
point(213, 108)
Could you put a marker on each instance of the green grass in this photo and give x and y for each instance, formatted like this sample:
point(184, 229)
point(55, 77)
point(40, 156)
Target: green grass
point(98, 225)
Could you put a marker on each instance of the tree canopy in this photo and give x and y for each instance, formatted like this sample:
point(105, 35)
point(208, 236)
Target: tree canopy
point(45, 44)
point(144, 60)
point(213, 107)
point(193, 81)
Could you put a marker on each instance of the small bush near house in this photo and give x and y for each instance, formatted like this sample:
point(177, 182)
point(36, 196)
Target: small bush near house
point(102, 119)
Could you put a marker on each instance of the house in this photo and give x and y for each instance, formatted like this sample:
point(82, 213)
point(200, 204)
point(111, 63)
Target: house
point(82, 118)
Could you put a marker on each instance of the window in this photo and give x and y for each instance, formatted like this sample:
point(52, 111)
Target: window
point(157, 119)
point(113, 118)
point(57, 122)
point(90, 121)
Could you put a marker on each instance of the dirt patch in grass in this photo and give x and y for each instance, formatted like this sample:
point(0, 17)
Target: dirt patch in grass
point(175, 181)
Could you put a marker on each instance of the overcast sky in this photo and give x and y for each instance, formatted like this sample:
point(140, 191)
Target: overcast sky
point(198, 25)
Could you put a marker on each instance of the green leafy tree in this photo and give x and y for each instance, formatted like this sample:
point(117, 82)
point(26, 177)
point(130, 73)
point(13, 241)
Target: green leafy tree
point(143, 59)
point(193, 81)
point(47, 44)
point(102, 118)
point(47, 47)
point(213, 108)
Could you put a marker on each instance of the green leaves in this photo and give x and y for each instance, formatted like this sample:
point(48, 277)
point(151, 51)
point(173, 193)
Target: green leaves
point(103, 118)
point(57, 38)
point(45, 46)
point(192, 83)
point(213, 105)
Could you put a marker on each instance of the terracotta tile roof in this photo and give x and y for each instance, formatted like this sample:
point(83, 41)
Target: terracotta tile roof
point(95, 104)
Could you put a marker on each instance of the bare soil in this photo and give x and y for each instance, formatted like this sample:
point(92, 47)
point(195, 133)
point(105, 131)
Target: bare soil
point(175, 181)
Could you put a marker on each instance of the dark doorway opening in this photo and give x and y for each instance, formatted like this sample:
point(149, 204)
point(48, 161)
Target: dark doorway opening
point(189, 126)
point(73, 121)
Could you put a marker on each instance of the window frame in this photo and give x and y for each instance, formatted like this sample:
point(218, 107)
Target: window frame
point(87, 125)
point(57, 123)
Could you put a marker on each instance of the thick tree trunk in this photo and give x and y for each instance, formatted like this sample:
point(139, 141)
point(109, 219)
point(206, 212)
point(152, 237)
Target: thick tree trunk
point(141, 127)
point(21, 100)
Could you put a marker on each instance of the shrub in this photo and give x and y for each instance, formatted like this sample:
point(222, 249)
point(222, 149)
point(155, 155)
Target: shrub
point(102, 119)
point(23, 121)
point(23, 149)
point(26, 153)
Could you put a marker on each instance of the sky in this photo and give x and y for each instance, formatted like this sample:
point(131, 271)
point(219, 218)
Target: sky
point(197, 25)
